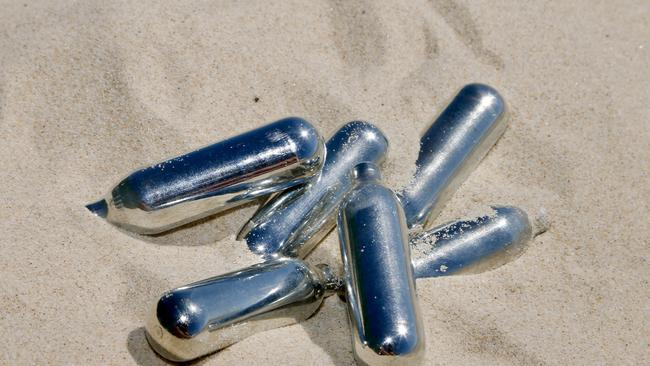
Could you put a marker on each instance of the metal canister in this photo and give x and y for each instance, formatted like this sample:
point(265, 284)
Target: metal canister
point(476, 245)
point(452, 148)
point(378, 275)
point(206, 316)
point(174, 192)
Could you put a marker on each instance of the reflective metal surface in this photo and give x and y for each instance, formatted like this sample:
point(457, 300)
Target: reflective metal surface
point(243, 301)
point(379, 281)
point(209, 315)
point(473, 246)
point(451, 148)
point(217, 177)
point(293, 222)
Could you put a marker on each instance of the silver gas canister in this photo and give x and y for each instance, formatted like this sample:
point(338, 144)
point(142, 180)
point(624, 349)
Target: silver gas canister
point(166, 195)
point(206, 316)
point(451, 149)
point(378, 275)
point(476, 245)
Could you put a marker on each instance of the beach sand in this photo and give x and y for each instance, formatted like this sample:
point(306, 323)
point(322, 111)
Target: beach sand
point(90, 91)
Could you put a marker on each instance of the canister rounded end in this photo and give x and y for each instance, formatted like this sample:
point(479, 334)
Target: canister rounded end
point(486, 96)
point(307, 140)
point(177, 312)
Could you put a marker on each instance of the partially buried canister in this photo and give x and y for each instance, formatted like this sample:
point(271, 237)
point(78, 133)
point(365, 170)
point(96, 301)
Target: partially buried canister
point(451, 148)
point(378, 275)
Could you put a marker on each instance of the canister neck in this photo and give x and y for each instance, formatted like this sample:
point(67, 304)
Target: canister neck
point(332, 282)
point(366, 171)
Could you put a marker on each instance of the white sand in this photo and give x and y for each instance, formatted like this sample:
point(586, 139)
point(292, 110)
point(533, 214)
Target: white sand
point(89, 92)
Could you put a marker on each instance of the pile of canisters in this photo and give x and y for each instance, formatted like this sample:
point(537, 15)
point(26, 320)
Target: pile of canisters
point(314, 186)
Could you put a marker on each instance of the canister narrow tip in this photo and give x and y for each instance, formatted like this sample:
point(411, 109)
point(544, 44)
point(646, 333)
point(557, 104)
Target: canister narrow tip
point(99, 208)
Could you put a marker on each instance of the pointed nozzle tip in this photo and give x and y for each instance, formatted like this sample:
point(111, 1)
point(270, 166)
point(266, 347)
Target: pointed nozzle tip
point(99, 208)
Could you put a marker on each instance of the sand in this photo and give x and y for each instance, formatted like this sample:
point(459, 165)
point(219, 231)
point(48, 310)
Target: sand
point(92, 90)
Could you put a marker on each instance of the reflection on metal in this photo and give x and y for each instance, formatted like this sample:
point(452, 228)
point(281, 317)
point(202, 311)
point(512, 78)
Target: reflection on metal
point(293, 222)
point(452, 148)
point(217, 177)
point(473, 246)
point(209, 315)
point(378, 275)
